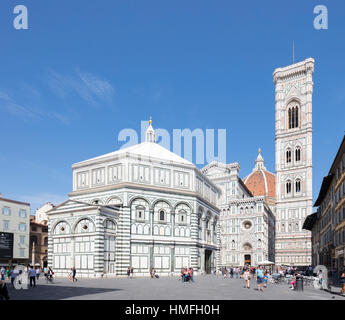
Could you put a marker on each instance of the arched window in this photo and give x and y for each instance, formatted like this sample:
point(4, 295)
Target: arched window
point(288, 187)
point(298, 185)
point(259, 243)
point(293, 117)
point(182, 217)
point(298, 154)
point(162, 215)
point(288, 156)
point(233, 244)
point(296, 226)
point(140, 213)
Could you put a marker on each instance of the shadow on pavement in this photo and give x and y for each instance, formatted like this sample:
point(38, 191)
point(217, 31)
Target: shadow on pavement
point(54, 292)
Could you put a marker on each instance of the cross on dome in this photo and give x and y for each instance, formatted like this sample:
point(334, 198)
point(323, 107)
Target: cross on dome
point(150, 133)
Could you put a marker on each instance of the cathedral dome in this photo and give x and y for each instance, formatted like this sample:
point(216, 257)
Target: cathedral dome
point(261, 182)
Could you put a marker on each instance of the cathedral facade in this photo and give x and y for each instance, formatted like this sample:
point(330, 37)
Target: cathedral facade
point(247, 221)
point(141, 206)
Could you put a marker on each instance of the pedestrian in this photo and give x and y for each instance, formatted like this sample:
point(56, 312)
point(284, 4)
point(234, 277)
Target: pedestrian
point(3, 291)
point(246, 277)
point(342, 281)
point(259, 278)
point(38, 272)
point(191, 274)
point(74, 272)
point(14, 273)
point(265, 279)
point(231, 272)
point(132, 272)
point(32, 275)
point(3, 271)
point(128, 271)
point(237, 272)
point(8, 273)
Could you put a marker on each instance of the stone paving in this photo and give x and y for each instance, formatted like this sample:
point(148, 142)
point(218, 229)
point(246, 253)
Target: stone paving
point(166, 288)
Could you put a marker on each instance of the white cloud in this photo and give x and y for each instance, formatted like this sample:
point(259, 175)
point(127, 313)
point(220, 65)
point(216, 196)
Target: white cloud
point(8, 105)
point(87, 86)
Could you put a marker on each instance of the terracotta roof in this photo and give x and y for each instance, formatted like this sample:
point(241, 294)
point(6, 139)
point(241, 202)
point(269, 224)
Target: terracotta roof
point(261, 182)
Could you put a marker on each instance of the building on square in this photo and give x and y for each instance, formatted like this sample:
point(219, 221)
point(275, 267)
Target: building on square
point(293, 146)
point(14, 231)
point(141, 206)
point(38, 242)
point(328, 223)
point(247, 221)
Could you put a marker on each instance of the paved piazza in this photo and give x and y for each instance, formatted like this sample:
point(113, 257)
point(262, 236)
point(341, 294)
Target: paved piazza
point(166, 288)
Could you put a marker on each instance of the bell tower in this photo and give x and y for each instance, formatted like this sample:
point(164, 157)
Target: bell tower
point(293, 149)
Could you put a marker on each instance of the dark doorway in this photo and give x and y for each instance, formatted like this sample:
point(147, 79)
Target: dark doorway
point(208, 261)
point(247, 259)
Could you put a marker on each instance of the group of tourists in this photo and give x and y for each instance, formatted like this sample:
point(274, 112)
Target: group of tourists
point(247, 273)
point(11, 273)
point(187, 274)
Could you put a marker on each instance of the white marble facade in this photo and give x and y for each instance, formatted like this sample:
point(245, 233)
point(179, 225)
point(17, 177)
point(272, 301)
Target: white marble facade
point(247, 223)
point(294, 89)
point(142, 206)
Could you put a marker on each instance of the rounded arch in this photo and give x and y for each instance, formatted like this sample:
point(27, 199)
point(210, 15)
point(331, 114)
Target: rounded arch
point(154, 203)
point(96, 201)
point(79, 220)
point(187, 204)
point(64, 224)
point(247, 246)
point(114, 200)
point(109, 223)
point(140, 199)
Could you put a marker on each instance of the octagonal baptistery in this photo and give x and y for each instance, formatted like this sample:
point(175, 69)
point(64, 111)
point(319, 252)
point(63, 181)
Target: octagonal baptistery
point(261, 182)
point(141, 207)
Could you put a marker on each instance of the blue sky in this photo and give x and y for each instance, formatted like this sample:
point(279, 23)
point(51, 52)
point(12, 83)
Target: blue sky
point(85, 70)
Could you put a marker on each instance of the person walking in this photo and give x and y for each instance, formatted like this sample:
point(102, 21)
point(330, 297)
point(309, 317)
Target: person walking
point(246, 277)
point(38, 272)
point(342, 281)
point(132, 272)
point(237, 272)
point(74, 272)
point(128, 272)
point(8, 273)
point(14, 274)
point(265, 279)
point(231, 272)
point(3, 291)
point(3, 271)
point(259, 278)
point(32, 275)
point(191, 274)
